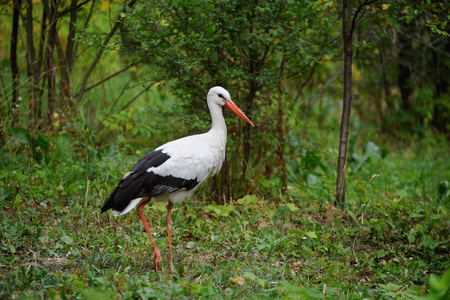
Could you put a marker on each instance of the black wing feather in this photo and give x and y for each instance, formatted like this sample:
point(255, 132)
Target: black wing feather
point(140, 183)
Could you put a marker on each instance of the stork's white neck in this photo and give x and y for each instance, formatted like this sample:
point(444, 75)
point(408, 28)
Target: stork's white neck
point(218, 122)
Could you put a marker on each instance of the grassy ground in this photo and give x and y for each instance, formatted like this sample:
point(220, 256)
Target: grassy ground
point(387, 242)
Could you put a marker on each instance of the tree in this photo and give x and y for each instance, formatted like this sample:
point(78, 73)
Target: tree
point(422, 63)
point(401, 50)
point(51, 55)
point(348, 27)
point(13, 57)
point(413, 60)
point(247, 46)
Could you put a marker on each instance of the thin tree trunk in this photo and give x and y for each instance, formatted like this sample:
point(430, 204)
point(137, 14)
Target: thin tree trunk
point(348, 26)
point(280, 133)
point(52, 13)
point(13, 59)
point(345, 120)
point(70, 48)
point(386, 88)
point(441, 111)
point(63, 69)
point(248, 106)
point(32, 67)
point(40, 89)
point(67, 59)
point(404, 70)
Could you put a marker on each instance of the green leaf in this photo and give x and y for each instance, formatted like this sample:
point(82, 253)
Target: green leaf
point(248, 199)
point(67, 239)
point(372, 150)
point(17, 200)
point(411, 238)
point(220, 211)
point(250, 276)
point(44, 239)
point(21, 134)
point(261, 282)
point(440, 286)
point(271, 213)
point(296, 231)
point(4, 192)
point(79, 284)
point(11, 249)
point(62, 141)
point(312, 234)
point(390, 287)
point(296, 249)
point(121, 138)
point(292, 207)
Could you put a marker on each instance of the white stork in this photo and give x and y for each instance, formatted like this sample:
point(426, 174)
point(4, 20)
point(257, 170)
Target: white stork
point(173, 171)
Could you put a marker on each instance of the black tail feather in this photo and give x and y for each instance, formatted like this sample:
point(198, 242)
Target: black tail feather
point(110, 203)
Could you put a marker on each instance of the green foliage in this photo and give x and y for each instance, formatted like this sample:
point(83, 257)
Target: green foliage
point(38, 145)
point(236, 44)
point(269, 243)
point(386, 243)
point(440, 287)
point(400, 80)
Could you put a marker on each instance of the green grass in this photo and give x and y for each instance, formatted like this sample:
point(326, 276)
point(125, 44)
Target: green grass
point(386, 243)
point(392, 235)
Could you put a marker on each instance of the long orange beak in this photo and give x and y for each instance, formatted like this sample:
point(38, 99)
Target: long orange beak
point(233, 107)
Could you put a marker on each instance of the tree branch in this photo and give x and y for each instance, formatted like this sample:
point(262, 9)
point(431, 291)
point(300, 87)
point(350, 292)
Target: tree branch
point(110, 76)
point(100, 52)
point(140, 93)
point(355, 16)
point(72, 8)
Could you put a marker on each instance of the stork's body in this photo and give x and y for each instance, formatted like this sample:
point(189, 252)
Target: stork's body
point(173, 171)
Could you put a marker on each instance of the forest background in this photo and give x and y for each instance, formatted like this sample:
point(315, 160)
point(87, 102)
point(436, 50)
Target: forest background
point(88, 87)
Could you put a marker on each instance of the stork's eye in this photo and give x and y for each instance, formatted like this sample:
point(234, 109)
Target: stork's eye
point(221, 96)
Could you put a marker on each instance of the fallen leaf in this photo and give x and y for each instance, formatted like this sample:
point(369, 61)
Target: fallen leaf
point(237, 280)
point(190, 245)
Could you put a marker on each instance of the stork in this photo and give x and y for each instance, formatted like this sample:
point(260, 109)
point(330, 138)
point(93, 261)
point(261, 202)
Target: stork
point(173, 171)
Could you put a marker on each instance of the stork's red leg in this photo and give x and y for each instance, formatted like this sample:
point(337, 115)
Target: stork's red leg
point(157, 253)
point(169, 229)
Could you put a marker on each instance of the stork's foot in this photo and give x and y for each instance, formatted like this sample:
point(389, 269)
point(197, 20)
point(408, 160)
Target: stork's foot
point(157, 258)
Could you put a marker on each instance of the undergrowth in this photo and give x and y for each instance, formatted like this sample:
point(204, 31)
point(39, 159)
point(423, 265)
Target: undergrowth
point(387, 242)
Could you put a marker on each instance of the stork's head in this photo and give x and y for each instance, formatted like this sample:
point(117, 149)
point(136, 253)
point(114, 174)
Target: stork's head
point(221, 97)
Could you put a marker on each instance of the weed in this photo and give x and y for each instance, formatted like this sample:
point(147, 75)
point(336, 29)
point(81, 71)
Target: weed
point(388, 242)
